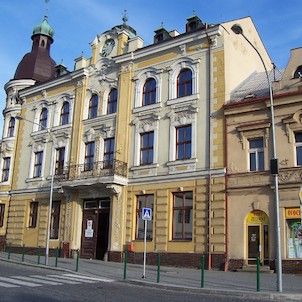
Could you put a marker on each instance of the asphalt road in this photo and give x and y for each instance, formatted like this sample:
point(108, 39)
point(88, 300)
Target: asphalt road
point(31, 284)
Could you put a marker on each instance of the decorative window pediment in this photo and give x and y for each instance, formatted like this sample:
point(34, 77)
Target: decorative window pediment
point(253, 130)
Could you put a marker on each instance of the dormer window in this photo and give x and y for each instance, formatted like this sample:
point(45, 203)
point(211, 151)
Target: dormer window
point(298, 73)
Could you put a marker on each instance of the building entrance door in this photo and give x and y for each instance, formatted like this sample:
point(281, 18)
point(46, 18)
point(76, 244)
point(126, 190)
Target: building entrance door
point(95, 229)
point(257, 237)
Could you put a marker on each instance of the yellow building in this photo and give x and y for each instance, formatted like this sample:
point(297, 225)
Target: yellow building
point(131, 127)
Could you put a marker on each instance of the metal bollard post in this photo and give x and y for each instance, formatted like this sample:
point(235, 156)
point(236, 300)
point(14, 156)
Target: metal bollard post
point(158, 267)
point(57, 256)
point(39, 255)
point(202, 271)
point(258, 274)
point(77, 261)
point(23, 252)
point(125, 264)
point(9, 250)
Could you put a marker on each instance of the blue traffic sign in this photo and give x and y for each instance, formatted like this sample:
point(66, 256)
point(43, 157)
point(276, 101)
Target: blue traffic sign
point(147, 214)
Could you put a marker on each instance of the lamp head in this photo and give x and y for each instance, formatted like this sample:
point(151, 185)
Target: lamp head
point(18, 117)
point(237, 29)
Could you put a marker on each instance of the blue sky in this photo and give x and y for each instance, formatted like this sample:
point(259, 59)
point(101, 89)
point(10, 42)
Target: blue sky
point(77, 22)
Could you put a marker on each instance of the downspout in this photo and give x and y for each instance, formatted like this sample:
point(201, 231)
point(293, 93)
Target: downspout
point(226, 266)
point(209, 224)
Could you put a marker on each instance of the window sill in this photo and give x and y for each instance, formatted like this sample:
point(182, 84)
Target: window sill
point(188, 98)
point(147, 108)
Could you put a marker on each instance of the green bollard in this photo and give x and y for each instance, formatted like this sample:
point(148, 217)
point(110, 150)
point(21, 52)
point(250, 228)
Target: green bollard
point(202, 271)
point(9, 250)
point(39, 255)
point(125, 264)
point(77, 261)
point(258, 274)
point(57, 256)
point(23, 252)
point(158, 267)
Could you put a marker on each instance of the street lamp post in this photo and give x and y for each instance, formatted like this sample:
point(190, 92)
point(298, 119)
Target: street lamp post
point(52, 164)
point(237, 29)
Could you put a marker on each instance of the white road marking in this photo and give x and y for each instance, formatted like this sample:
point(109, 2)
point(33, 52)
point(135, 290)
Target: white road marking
point(19, 282)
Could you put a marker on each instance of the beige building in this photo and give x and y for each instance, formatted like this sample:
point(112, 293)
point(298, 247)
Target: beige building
point(131, 127)
point(250, 186)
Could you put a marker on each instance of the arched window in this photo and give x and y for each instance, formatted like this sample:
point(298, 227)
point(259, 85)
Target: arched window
point(65, 113)
point(184, 83)
point(43, 119)
point(93, 106)
point(112, 101)
point(11, 127)
point(149, 92)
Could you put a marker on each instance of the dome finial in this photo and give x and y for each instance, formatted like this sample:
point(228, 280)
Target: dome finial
point(125, 18)
point(46, 8)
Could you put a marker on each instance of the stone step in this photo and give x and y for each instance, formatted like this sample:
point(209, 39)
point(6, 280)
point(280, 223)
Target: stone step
point(253, 268)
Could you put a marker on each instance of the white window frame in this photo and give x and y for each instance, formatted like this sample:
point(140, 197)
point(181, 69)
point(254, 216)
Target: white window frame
point(256, 151)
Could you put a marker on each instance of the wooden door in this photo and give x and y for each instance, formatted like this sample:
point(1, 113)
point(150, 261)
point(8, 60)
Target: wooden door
point(89, 234)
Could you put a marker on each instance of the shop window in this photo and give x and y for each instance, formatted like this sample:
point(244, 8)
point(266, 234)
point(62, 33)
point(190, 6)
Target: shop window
point(143, 201)
point(294, 238)
point(182, 215)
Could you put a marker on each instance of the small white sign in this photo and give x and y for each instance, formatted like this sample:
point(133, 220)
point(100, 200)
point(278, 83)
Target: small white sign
point(147, 214)
point(88, 233)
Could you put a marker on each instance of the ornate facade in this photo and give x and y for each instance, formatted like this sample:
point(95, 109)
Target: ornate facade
point(131, 127)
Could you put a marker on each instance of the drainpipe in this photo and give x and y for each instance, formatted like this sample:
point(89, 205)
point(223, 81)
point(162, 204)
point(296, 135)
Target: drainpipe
point(209, 225)
point(226, 265)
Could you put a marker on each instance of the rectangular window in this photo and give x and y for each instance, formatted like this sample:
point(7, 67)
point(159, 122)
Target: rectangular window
point(183, 142)
point(182, 215)
point(60, 157)
point(294, 235)
point(89, 156)
point(256, 154)
point(298, 140)
point(5, 169)
point(55, 220)
point(108, 152)
point(143, 201)
point(146, 152)
point(33, 214)
point(2, 211)
point(38, 164)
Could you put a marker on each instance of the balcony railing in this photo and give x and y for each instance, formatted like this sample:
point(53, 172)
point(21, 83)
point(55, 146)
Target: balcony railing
point(90, 170)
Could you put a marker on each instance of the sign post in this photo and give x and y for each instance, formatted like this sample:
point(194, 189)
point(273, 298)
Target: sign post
point(146, 215)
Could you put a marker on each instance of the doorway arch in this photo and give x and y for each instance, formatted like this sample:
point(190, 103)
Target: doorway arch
point(257, 242)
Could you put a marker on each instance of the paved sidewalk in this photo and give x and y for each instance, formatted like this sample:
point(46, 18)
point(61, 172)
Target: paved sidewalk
point(232, 283)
